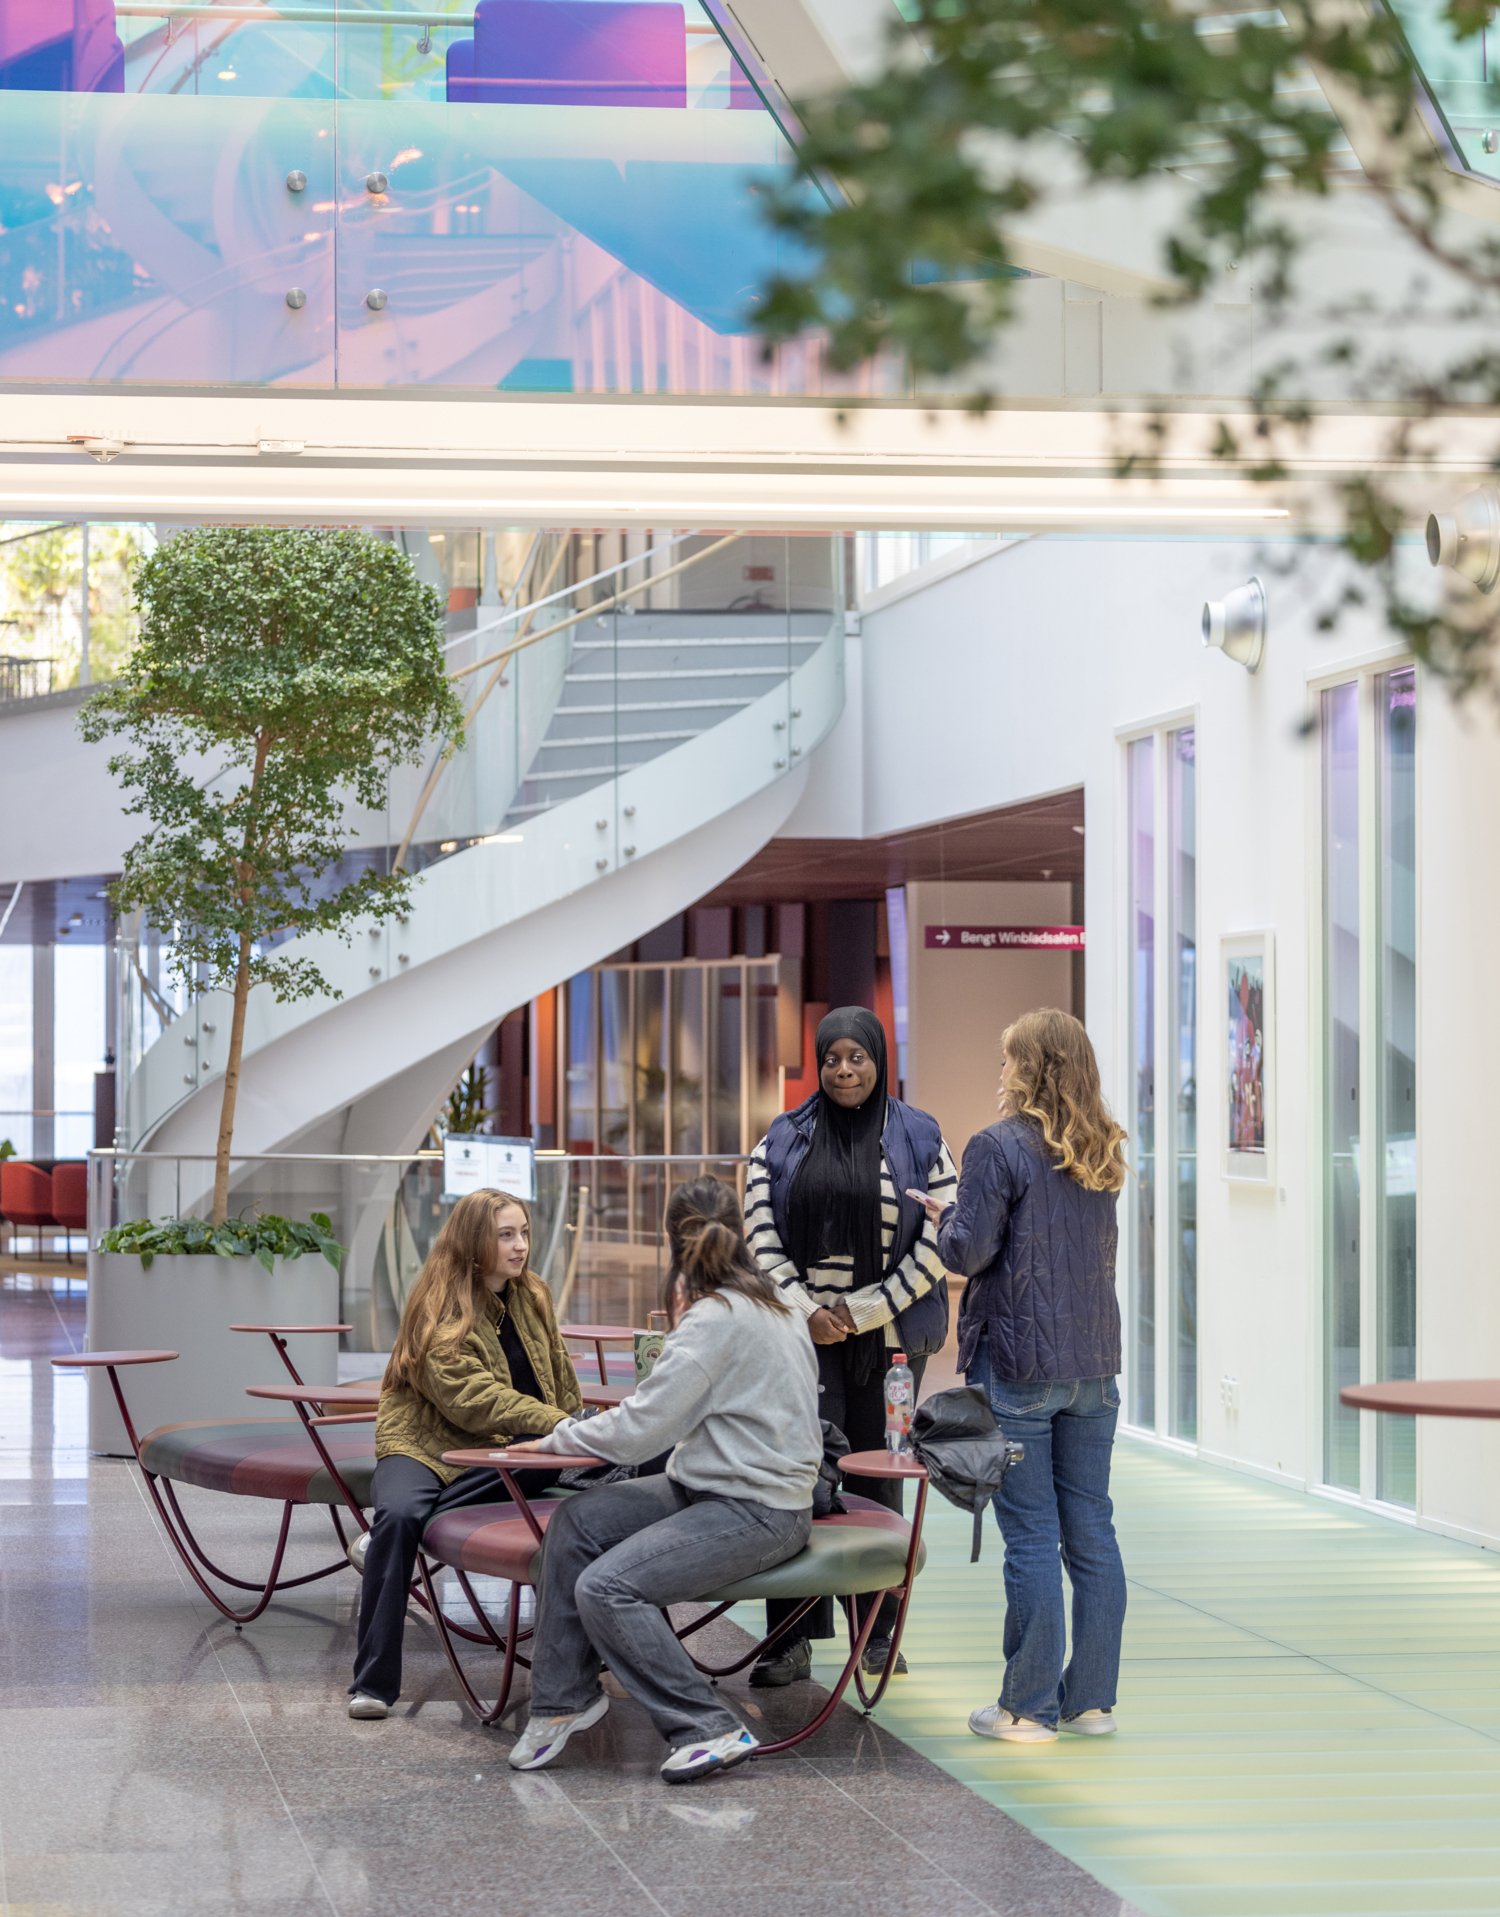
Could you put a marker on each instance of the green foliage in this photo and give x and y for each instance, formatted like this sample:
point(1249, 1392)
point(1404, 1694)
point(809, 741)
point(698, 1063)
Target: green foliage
point(466, 1112)
point(7, 1150)
point(939, 153)
point(281, 675)
point(911, 185)
point(265, 1238)
point(41, 585)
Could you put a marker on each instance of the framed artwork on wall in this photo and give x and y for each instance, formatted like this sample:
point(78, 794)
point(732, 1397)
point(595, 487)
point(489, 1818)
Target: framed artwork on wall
point(1248, 988)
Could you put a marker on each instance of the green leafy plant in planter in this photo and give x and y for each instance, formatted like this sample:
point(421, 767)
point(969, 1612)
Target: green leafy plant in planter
point(466, 1112)
point(7, 1150)
point(282, 673)
point(265, 1238)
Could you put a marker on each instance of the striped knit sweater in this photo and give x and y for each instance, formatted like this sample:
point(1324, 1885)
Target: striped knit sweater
point(832, 1283)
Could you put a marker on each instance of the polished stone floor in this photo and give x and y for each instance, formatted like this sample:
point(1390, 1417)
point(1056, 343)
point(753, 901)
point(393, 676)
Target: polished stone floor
point(155, 1760)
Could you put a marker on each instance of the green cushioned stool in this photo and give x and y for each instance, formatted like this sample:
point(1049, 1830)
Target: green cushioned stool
point(860, 1555)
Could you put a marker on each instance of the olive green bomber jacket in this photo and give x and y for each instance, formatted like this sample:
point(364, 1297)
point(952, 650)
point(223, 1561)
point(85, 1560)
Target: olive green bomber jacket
point(466, 1398)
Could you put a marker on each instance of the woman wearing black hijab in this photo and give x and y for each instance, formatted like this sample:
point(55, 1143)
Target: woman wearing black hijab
point(827, 1217)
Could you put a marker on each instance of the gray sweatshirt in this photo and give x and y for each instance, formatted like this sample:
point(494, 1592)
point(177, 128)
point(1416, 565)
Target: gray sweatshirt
point(735, 1390)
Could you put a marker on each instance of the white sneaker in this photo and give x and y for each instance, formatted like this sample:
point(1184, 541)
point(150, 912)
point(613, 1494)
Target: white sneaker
point(993, 1720)
point(1090, 1724)
point(691, 1761)
point(356, 1550)
point(545, 1738)
point(363, 1705)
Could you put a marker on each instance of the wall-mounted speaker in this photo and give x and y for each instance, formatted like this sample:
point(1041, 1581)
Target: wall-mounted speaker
point(1468, 538)
point(1236, 624)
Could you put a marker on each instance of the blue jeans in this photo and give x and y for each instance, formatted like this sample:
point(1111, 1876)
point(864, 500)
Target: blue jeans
point(614, 1558)
point(1054, 1513)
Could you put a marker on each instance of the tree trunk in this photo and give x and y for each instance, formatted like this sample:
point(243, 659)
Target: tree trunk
point(241, 999)
point(231, 1081)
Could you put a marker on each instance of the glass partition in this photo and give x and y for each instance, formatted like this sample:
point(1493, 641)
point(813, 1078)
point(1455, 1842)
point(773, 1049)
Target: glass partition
point(1341, 1081)
point(1396, 1164)
point(1182, 904)
point(497, 195)
point(1141, 1207)
point(386, 1212)
point(1462, 81)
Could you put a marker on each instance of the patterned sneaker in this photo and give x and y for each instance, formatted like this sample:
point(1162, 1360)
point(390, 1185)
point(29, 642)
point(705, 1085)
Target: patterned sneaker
point(993, 1720)
point(692, 1761)
point(1090, 1724)
point(545, 1738)
point(363, 1705)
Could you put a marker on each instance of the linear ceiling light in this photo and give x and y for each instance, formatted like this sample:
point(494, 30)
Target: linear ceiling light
point(696, 510)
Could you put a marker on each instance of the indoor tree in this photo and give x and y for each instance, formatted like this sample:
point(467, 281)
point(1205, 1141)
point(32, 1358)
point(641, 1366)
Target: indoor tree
point(281, 673)
point(911, 184)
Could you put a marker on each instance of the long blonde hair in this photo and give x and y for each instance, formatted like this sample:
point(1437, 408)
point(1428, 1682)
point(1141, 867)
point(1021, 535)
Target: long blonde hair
point(445, 1303)
point(1052, 1076)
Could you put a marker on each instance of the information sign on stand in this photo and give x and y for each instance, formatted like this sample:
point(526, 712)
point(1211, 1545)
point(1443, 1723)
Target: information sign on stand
point(480, 1162)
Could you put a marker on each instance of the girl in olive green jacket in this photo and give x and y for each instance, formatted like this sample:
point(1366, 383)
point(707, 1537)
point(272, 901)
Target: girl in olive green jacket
point(478, 1361)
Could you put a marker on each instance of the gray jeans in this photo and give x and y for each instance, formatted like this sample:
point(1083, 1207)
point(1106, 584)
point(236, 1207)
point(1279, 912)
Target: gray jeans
point(613, 1558)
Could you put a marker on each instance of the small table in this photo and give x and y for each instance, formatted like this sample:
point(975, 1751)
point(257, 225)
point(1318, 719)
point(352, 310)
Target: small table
point(347, 1396)
point(520, 1457)
point(1428, 1397)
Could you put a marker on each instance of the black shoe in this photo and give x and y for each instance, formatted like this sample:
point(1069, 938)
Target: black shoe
point(878, 1655)
point(789, 1665)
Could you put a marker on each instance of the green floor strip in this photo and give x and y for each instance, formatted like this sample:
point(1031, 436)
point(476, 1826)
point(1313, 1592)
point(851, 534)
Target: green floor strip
point(1309, 1706)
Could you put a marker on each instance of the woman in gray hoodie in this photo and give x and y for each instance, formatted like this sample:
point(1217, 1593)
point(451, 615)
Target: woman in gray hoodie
point(734, 1396)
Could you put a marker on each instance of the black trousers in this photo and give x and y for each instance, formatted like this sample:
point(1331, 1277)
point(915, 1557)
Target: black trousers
point(859, 1412)
point(407, 1496)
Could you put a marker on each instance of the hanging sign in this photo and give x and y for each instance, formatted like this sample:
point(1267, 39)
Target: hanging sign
point(481, 1162)
point(1004, 938)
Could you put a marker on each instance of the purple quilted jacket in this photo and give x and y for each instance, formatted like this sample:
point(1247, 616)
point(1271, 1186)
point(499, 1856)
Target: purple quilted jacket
point(1038, 1251)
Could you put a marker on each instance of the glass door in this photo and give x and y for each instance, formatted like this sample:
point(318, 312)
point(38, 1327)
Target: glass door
point(1369, 1070)
point(1161, 1201)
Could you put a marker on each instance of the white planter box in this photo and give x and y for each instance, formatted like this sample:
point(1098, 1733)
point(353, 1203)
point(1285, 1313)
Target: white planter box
point(187, 1305)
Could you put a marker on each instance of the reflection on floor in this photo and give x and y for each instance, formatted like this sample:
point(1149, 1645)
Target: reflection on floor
point(1310, 1721)
point(154, 1762)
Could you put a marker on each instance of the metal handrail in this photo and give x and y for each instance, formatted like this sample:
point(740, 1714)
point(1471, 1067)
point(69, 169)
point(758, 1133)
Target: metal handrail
point(344, 16)
point(534, 606)
point(545, 1155)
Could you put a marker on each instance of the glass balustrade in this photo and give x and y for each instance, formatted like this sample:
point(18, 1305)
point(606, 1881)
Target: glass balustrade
point(596, 1241)
point(535, 198)
point(1461, 76)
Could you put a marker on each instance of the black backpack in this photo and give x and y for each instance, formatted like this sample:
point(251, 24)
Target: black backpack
point(954, 1434)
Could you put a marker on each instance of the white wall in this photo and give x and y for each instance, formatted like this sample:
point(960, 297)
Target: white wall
point(959, 1002)
point(1014, 678)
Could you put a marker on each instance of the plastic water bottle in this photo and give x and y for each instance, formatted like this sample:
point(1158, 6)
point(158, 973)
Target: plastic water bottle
point(899, 1393)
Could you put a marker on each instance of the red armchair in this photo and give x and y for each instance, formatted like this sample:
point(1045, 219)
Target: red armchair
point(25, 1194)
point(70, 1198)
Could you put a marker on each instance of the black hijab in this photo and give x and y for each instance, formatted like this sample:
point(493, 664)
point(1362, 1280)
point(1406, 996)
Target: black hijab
point(834, 1204)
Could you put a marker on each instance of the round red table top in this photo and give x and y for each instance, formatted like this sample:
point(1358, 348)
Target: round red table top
point(1429, 1397)
point(517, 1455)
point(289, 1331)
point(882, 1464)
point(349, 1394)
point(116, 1358)
point(608, 1334)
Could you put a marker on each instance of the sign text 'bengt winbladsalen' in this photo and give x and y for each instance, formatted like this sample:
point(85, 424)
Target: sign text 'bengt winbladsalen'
point(1005, 938)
